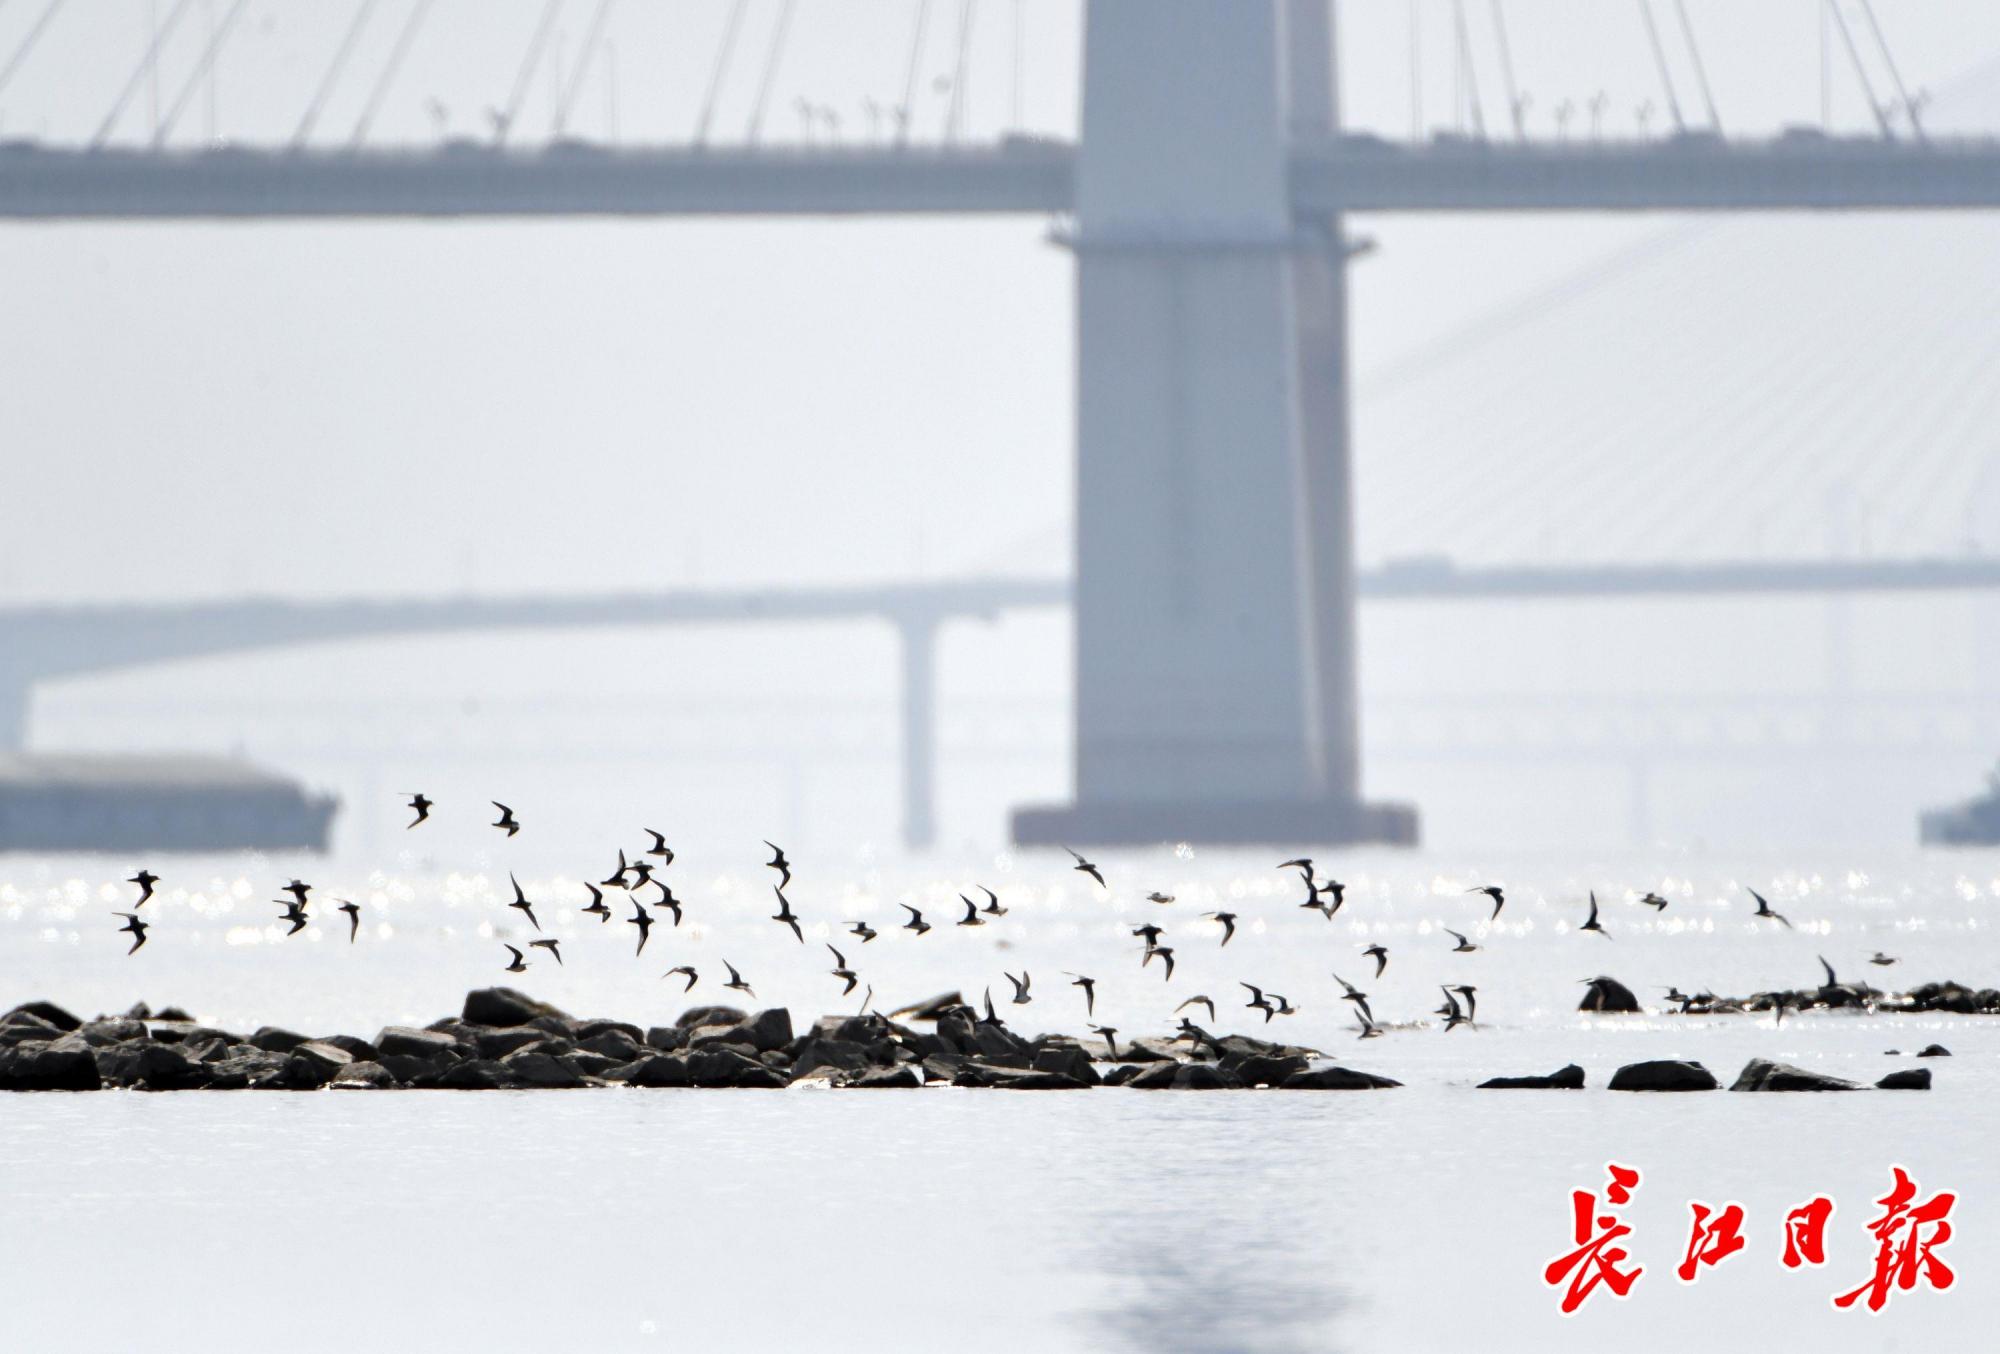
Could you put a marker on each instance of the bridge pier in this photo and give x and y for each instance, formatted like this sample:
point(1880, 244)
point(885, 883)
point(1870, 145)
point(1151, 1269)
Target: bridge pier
point(1214, 595)
point(917, 638)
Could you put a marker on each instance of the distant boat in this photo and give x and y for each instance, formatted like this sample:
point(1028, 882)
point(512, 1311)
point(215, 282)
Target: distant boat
point(126, 802)
point(1973, 823)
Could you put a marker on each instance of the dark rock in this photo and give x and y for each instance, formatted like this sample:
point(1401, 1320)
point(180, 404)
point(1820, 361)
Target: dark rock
point(503, 1006)
point(770, 1029)
point(363, 1075)
point(475, 1074)
point(710, 1015)
point(21, 1027)
point(1154, 1077)
point(169, 1031)
point(666, 1038)
point(830, 1053)
point(1608, 995)
point(998, 1041)
point(593, 1064)
point(272, 1039)
point(49, 1067)
point(1151, 1050)
point(542, 1071)
point(1906, 1079)
point(1569, 1078)
point(411, 1071)
point(112, 1030)
point(1123, 1073)
point(1761, 1074)
point(904, 1078)
point(139, 1011)
point(1067, 1060)
point(1338, 1079)
point(585, 1029)
point(329, 1056)
point(50, 1012)
point(429, 1046)
point(174, 1013)
point(1205, 1077)
point(149, 1066)
point(720, 1067)
point(1261, 1069)
point(1933, 1051)
point(612, 1043)
point(495, 1044)
point(360, 1050)
point(1663, 1075)
point(958, 1032)
point(659, 1070)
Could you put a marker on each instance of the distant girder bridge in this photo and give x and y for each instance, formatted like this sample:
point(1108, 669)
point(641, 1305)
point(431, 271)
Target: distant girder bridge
point(41, 644)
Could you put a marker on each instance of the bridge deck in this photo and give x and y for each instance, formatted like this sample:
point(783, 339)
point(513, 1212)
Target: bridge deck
point(1356, 174)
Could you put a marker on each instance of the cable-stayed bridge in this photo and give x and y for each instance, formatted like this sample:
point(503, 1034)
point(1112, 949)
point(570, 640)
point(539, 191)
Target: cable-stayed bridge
point(1205, 200)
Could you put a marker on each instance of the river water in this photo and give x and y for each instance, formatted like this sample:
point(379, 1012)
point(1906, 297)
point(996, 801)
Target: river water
point(1413, 1219)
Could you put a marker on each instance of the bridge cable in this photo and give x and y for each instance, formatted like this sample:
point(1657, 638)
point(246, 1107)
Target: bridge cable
point(34, 36)
point(348, 42)
point(202, 66)
point(1882, 44)
point(1514, 105)
point(1468, 70)
point(146, 65)
point(405, 38)
point(906, 111)
point(1700, 69)
point(538, 41)
point(772, 56)
point(592, 38)
point(1861, 74)
point(1660, 61)
point(954, 119)
point(721, 71)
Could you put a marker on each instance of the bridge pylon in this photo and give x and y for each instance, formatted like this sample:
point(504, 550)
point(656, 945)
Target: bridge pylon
point(1214, 594)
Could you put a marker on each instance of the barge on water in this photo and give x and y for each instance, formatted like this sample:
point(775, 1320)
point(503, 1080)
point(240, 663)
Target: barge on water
point(124, 802)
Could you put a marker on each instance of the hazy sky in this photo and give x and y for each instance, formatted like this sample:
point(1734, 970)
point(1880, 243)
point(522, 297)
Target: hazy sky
point(308, 409)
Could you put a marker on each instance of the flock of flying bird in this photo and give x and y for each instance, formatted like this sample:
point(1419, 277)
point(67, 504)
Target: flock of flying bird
point(633, 875)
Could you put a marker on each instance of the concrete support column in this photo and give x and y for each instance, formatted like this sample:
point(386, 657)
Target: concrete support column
point(917, 635)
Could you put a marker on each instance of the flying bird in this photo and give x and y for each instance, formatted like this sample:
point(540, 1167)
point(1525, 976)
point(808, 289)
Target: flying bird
point(145, 879)
point(1882, 960)
point(1469, 992)
point(972, 917)
point(298, 888)
point(1150, 932)
point(1331, 886)
point(550, 944)
point(1380, 954)
point(521, 903)
point(617, 880)
point(1497, 894)
point(1831, 981)
point(422, 807)
point(1257, 1002)
point(668, 901)
point(642, 875)
point(862, 929)
point(1228, 920)
point(841, 970)
point(1355, 995)
point(736, 979)
point(353, 911)
point(686, 971)
point(1764, 908)
point(1110, 1039)
point(660, 848)
point(295, 913)
point(781, 865)
point(642, 919)
point(1592, 923)
point(1166, 954)
point(1083, 866)
point(1089, 986)
point(1158, 897)
point(597, 908)
point(1654, 901)
point(136, 927)
point(507, 824)
point(1198, 1000)
point(992, 908)
point(1464, 946)
point(519, 965)
point(1021, 997)
point(785, 916)
point(1303, 865)
point(916, 922)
